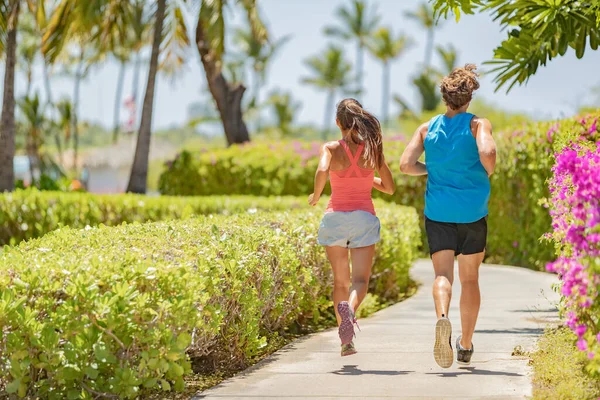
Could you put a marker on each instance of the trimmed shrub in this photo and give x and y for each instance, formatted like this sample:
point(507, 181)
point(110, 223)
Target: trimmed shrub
point(26, 214)
point(118, 311)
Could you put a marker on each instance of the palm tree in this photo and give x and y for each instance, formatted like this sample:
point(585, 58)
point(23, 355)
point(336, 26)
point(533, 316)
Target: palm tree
point(35, 124)
point(65, 116)
point(424, 15)
point(260, 54)
point(330, 73)
point(284, 109)
point(356, 24)
point(27, 49)
point(427, 85)
point(210, 40)
point(449, 56)
point(139, 169)
point(123, 32)
point(386, 48)
point(9, 20)
point(140, 26)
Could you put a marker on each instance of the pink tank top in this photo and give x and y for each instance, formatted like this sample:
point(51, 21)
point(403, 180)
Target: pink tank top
point(351, 187)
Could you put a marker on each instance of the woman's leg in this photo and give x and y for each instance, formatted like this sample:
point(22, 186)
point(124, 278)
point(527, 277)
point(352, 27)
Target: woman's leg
point(338, 257)
point(443, 265)
point(362, 261)
point(470, 298)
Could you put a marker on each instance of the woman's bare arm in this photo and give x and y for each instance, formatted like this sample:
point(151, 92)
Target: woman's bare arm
point(321, 175)
point(409, 163)
point(385, 182)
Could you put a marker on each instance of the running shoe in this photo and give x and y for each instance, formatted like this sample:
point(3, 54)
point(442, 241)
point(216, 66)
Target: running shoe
point(348, 349)
point(346, 329)
point(442, 349)
point(463, 356)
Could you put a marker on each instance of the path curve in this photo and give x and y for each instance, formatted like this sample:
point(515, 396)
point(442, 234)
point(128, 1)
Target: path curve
point(395, 349)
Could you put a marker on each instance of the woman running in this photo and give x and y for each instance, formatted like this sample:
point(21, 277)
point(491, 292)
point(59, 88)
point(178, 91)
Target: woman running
point(350, 224)
point(460, 156)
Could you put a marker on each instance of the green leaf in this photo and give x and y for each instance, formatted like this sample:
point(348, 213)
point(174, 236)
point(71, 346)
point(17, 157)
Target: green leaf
point(179, 384)
point(176, 370)
point(150, 383)
point(166, 386)
point(13, 386)
point(91, 372)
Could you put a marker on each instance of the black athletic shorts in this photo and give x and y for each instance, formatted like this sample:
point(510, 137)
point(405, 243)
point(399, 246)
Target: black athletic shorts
point(464, 239)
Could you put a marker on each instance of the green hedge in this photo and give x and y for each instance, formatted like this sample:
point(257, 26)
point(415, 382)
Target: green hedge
point(26, 214)
point(517, 218)
point(123, 310)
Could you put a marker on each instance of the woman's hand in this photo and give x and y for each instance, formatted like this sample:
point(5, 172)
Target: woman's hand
point(313, 200)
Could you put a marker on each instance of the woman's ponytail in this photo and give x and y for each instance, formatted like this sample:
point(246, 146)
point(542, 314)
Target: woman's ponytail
point(363, 125)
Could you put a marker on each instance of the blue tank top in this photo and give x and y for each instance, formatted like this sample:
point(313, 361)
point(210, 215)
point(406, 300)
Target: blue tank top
point(458, 187)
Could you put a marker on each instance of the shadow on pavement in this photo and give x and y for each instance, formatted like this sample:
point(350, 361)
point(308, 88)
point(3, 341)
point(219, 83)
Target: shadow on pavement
point(354, 370)
point(516, 331)
point(473, 371)
point(537, 310)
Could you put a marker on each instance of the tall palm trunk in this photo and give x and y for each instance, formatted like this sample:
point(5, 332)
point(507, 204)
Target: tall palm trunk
point(328, 113)
point(7, 125)
point(136, 79)
point(385, 102)
point(119, 96)
point(429, 47)
point(139, 169)
point(33, 154)
point(257, 87)
point(29, 80)
point(75, 115)
point(360, 56)
point(228, 97)
point(49, 101)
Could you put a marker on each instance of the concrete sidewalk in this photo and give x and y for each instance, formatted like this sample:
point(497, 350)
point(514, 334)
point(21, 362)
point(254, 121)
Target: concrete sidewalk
point(395, 346)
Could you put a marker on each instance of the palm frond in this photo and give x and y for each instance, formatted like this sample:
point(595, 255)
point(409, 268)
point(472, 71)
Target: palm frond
point(258, 28)
point(176, 40)
point(449, 57)
point(212, 19)
point(58, 30)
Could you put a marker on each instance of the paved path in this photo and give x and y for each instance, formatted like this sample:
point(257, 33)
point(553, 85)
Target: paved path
point(395, 349)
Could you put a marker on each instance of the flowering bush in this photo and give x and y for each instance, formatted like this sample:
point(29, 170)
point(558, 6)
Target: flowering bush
point(575, 212)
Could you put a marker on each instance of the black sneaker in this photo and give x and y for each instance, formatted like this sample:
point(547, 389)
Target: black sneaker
point(463, 356)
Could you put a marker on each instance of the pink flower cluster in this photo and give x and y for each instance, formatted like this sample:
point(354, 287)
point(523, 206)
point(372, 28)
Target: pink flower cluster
point(575, 211)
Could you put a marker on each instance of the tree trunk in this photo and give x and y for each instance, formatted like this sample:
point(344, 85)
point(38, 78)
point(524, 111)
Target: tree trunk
point(429, 47)
point(139, 169)
point(228, 97)
point(328, 112)
point(75, 115)
point(359, 67)
point(7, 125)
point(49, 101)
point(257, 87)
point(385, 103)
point(119, 96)
point(136, 80)
point(29, 80)
point(33, 154)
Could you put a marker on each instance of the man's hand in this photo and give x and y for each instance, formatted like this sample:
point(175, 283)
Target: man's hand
point(313, 200)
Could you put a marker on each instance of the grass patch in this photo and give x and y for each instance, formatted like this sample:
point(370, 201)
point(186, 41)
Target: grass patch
point(559, 369)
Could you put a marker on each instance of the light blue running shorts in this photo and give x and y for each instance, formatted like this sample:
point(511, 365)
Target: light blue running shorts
point(349, 229)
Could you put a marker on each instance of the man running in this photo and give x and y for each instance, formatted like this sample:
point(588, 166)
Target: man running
point(460, 156)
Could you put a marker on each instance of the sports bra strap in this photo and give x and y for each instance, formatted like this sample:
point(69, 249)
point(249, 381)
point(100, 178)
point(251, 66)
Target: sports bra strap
point(353, 158)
